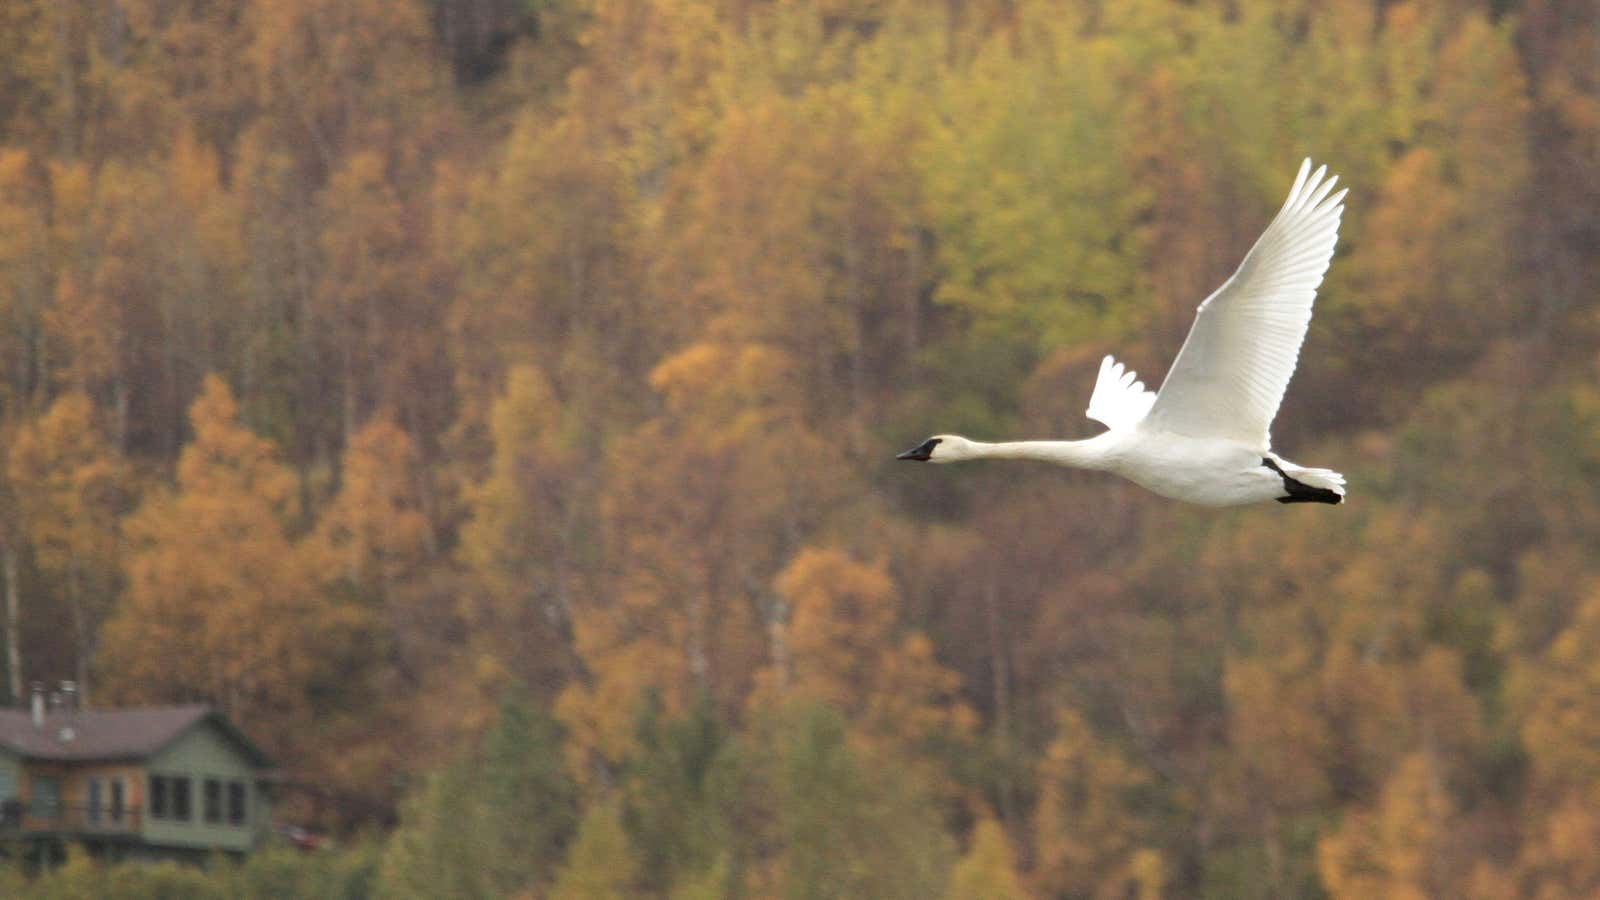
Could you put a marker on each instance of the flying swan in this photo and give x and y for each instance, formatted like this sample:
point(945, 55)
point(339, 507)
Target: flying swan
point(1204, 438)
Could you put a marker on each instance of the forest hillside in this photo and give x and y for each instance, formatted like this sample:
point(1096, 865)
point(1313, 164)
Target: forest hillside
point(491, 406)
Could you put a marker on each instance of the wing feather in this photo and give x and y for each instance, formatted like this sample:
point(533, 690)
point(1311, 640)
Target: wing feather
point(1120, 399)
point(1230, 376)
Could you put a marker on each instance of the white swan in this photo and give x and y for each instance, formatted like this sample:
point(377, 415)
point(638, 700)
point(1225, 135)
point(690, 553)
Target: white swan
point(1204, 438)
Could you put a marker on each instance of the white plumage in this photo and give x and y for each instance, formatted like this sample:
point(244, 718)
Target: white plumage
point(1205, 437)
point(1119, 399)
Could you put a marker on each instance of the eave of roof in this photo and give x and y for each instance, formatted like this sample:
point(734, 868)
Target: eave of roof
point(115, 735)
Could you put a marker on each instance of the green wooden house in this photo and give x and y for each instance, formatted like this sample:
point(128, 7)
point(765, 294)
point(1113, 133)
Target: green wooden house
point(177, 781)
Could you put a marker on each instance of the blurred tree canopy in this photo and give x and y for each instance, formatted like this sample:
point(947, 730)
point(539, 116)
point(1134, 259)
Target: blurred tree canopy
point(491, 405)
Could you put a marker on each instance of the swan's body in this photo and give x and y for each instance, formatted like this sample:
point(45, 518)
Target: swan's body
point(1204, 438)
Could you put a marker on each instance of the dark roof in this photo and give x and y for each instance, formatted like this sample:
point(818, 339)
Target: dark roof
point(112, 733)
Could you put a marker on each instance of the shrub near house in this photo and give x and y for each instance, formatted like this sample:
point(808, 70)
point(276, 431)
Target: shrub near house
point(174, 781)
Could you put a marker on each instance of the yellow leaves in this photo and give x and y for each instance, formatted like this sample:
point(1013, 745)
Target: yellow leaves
point(1089, 838)
point(1562, 695)
point(527, 531)
point(195, 173)
point(649, 79)
point(24, 255)
point(1410, 36)
point(28, 50)
point(1557, 693)
point(628, 665)
point(69, 485)
point(1393, 850)
point(1413, 215)
point(364, 241)
point(918, 696)
point(1558, 861)
point(527, 419)
point(747, 208)
point(86, 324)
point(794, 233)
point(336, 58)
point(522, 513)
point(220, 604)
point(20, 214)
point(842, 614)
point(989, 869)
point(842, 646)
point(226, 458)
point(600, 864)
point(1279, 731)
point(375, 527)
point(734, 387)
point(688, 372)
point(541, 244)
point(1025, 188)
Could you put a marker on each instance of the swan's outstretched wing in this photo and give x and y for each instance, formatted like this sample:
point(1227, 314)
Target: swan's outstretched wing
point(1119, 400)
point(1232, 371)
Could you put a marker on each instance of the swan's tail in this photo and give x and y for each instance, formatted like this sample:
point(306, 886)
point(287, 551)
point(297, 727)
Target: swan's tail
point(1309, 485)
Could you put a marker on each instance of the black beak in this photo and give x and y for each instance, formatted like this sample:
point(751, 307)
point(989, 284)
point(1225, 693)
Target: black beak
point(921, 452)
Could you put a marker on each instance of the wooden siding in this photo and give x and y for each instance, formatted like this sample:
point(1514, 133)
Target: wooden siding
point(72, 813)
point(205, 752)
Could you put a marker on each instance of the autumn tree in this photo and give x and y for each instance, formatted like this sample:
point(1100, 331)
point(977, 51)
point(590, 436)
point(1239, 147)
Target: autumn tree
point(375, 530)
point(152, 260)
point(1091, 839)
point(1009, 177)
point(529, 541)
point(847, 821)
point(600, 864)
point(1558, 730)
point(988, 871)
point(539, 244)
point(705, 503)
point(220, 604)
point(373, 323)
point(572, 341)
point(680, 796)
point(1393, 850)
point(794, 235)
point(70, 488)
point(842, 646)
point(25, 282)
point(491, 824)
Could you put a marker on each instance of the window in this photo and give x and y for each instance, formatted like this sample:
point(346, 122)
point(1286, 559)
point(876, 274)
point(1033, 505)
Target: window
point(236, 803)
point(213, 801)
point(96, 799)
point(181, 810)
point(160, 797)
point(119, 799)
point(46, 796)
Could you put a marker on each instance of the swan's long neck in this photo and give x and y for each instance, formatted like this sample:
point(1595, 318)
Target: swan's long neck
point(1089, 454)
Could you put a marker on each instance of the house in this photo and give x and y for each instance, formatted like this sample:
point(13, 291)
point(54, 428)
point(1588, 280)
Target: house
point(161, 782)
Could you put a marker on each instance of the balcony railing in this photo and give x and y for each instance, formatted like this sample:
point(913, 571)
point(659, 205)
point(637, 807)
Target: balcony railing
point(16, 816)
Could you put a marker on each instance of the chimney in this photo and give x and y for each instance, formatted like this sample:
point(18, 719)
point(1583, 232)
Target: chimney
point(38, 704)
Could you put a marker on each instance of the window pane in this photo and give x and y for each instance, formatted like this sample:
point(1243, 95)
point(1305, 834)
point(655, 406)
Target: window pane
point(118, 799)
point(46, 796)
point(96, 798)
point(236, 807)
point(213, 794)
point(180, 799)
point(158, 797)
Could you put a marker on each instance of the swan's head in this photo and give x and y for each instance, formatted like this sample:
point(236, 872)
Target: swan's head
point(941, 448)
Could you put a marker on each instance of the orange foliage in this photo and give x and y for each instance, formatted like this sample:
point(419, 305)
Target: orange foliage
point(221, 605)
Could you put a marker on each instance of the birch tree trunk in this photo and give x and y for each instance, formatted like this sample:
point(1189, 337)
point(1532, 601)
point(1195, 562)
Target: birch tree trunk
point(8, 562)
